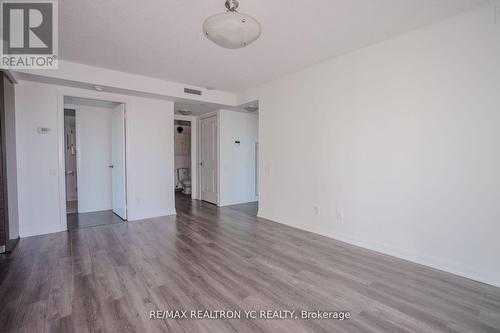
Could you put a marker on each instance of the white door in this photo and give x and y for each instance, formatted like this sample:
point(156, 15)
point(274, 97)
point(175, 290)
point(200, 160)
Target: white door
point(257, 169)
point(118, 177)
point(208, 163)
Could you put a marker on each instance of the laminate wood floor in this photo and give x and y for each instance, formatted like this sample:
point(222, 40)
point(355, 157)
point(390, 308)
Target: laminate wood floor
point(250, 208)
point(108, 278)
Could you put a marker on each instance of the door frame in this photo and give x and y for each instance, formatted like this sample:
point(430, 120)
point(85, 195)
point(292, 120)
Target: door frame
point(74, 92)
point(217, 120)
point(195, 166)
point(124, 151)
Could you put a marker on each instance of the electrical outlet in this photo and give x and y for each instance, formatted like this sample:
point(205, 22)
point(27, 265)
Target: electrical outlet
point(317, 210)
point(340, 215)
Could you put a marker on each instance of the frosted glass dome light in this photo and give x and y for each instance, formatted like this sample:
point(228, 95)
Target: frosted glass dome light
point(231, 29)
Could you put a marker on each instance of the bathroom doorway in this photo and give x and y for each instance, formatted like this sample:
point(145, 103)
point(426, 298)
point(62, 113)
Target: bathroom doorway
point(70, 161)
point(182, 157)
point(185, 157)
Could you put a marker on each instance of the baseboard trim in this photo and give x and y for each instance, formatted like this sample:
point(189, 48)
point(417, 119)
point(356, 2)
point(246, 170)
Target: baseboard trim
point(490, 278)
point(225, 204)
point(167, 214)
point(93, 211)
point(38, 233)
point(444, 265)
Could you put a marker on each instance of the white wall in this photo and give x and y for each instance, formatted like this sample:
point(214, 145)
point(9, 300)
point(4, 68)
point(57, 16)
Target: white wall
point(150, 155)
point(237, 161)
point(150, 158)
point(93, 144)
point(401, 139)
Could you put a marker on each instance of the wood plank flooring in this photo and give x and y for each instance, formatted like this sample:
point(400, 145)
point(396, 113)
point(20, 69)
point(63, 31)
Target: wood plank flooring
point(108, 278)
point(250, 208)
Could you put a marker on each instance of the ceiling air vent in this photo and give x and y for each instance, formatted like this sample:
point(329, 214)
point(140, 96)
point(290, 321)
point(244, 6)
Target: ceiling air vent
point(192, 91)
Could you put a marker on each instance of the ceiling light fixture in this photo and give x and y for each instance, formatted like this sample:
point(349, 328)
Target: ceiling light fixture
point(185, 112)
point(231, 29)
point(252, 108)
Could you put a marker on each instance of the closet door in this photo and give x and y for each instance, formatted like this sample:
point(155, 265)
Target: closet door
point(9, 219)
point(118, 171)
point(208, 164)
point(4, 218)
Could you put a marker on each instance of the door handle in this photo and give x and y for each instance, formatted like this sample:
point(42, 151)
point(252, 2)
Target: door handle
point(111, 166)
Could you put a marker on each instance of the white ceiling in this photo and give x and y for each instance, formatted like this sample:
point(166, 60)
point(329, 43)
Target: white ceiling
point(199, 108)
point(163, 38)
point(196, 108)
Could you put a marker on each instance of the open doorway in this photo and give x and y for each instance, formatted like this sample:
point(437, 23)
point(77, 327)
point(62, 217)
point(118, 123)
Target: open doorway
point(183, 158)
point(95, 167)
point(224, 156)
point(70, 161)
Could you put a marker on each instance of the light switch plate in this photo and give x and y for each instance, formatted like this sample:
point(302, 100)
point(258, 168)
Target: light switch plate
point(44, 130)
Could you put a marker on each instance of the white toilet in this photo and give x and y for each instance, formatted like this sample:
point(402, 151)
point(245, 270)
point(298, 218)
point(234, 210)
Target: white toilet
point(184, 179)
